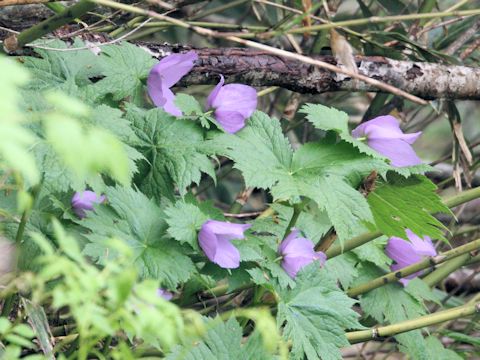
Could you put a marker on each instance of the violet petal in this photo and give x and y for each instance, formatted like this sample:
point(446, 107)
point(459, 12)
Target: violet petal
point(400, 251)
point(233, 104)
point(211, 98)
point(398, 151)
point(84, 200)
point(231, 121)
point(166, 74)
point(214, 239)
point(385, 136)
point(298, 252)
point(408, 252)
point(167, 295)
point(236, 97)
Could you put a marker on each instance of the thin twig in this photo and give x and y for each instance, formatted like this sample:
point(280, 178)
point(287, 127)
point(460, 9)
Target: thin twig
point(96, 45)
point(4, 3)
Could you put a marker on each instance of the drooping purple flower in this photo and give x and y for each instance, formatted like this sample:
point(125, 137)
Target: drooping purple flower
point(82, 201)
point(233, 104)
point(164, 75)
point(214, 239)
point(384, 135)
point(298, 252)
point(406, 253)
point(167, 295)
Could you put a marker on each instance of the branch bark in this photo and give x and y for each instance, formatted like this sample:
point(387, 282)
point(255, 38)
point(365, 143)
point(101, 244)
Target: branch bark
point(259, 68)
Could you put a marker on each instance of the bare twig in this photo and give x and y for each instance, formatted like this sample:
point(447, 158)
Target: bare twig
point(96, 45)
point(463, 39)
point(4, 3)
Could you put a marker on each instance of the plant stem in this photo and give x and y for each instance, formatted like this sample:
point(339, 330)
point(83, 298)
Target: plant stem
point(218, 9)
point(353, 243)
point(240, 201)
point(297, 210)
point(446, 269)
point(382, 19)
point(50, 24)
point(421, 265)
point(10, 299)
point(463, 197)
point(57, 8)
point(427, 320)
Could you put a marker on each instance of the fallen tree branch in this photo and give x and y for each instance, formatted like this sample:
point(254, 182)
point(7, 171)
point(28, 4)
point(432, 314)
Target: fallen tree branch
point(269, 49)
point(260, 68)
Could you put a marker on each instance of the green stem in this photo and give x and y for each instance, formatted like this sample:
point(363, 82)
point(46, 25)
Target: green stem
point(421, 265)
point(218, 9)
point(382, 19)
point(211, 25)
point(446, 269)
point(353, 243)
point(297, 210)
point(57, 8)
point(10, 299)
point(463, 197)
point(126, 26)
point(474, 260)
point(52, 23)
point(427, 320)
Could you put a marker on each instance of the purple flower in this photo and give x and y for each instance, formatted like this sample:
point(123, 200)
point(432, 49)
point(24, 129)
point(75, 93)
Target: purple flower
point(167, 295)
point(384, 135)
point(233, 104)
point(84, 200)
point(214, 239)
point(164, 75)
point(406, 253)
point(298, 252)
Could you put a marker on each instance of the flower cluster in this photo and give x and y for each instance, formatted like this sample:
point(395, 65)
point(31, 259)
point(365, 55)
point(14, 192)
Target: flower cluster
point(233, 103)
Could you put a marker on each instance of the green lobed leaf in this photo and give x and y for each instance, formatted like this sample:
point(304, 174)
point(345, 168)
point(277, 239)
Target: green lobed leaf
point(188, 104)
point(62, 70)
point(124, 67)
point(315, 315)
point(223, 341)
point(15, 140)
point(154, 254)
point(343, 268)
point(186, 217)
point(330, 119)
point(407, 204)
point(175, 150)
point(100, 150)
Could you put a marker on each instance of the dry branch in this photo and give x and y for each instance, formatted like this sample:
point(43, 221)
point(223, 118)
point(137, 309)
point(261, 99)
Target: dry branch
point(260, 68)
